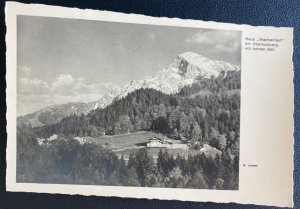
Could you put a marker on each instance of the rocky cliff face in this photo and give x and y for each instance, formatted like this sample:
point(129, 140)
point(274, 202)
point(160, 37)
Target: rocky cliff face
point(186, 68)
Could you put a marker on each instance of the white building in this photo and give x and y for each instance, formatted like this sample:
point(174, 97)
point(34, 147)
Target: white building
point(80, 140)
point(41, 141)
point(53, 137)
point(155, 142)
point(169, 144)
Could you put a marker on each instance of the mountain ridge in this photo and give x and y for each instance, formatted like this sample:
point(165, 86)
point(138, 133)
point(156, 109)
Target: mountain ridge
point(185, 70)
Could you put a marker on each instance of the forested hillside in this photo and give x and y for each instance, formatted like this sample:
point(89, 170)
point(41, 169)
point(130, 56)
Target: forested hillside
point(68, 162)
point(185, 115)
point(206, 112)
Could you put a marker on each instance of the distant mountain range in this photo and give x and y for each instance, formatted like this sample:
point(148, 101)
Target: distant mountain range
point(187, 68)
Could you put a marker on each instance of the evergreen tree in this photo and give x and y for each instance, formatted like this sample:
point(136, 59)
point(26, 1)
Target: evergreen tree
point(117, 129)
point(197, 181)
point(145, 165)
point(175, 178)
point(196, 133)
point(184, 126)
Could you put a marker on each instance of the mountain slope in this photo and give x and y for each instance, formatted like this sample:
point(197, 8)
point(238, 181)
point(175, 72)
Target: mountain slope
point(149, 109)
point(187, 68)
point(54, 113)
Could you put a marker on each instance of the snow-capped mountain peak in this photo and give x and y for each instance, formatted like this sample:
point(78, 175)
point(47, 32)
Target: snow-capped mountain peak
point(186, 68)
point(183, 71)
point(190, 64)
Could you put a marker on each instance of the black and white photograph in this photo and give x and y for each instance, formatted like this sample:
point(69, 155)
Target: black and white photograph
point(126, 104)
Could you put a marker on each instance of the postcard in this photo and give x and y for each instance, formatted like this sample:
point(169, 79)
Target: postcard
point(126, 105)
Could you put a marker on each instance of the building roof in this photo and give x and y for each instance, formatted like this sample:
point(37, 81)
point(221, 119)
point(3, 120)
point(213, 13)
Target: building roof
point(154, 139)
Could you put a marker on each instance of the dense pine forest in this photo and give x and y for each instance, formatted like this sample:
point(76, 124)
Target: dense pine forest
point(206, 112)
point(68, 162)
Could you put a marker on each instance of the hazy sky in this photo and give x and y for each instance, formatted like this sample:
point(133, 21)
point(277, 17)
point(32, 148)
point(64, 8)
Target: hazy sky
point(63, 60)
